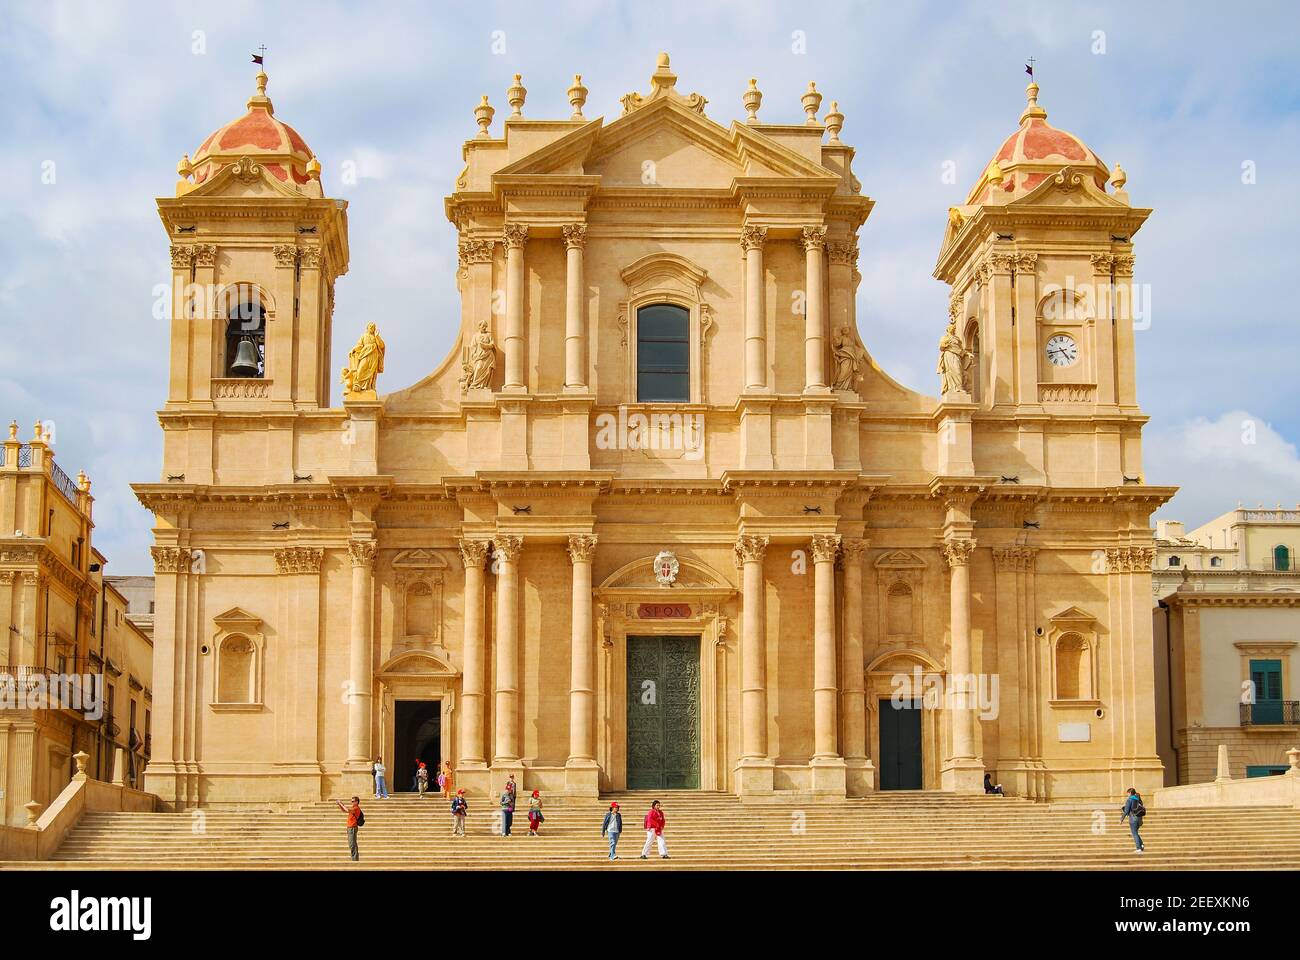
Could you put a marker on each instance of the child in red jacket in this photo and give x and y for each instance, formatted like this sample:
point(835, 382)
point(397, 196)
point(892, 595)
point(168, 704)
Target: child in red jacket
point(654, 831)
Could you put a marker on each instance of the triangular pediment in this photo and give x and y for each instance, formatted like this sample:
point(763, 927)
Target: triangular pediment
point(419, 559)
point(245, 178)
point(236, 616)
point(1073, 615)
point(900, 560)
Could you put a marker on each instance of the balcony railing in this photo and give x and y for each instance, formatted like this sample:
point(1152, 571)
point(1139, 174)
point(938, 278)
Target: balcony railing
point(1270, 713)
point(67, 486)
point(111, 728)
point(23, 676)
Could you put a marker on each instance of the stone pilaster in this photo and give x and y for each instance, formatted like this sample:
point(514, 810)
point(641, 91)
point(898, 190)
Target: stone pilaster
point(473, 554)
point(516, 236)
point(755, 771)
point(828, 770)
point(575, 334)
point(582, 775)
point(814, 245)
point(853, 713)
point(963, 772)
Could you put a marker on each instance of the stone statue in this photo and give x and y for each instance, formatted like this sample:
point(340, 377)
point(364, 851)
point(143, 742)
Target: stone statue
point(954, 359)
point(849, 358)
point(478, 360)
point(365, 362)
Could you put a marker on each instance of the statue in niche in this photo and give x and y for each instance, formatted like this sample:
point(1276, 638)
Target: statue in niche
point(478, 360)
point(954, 361)
point(849, 358)
point(365, 363)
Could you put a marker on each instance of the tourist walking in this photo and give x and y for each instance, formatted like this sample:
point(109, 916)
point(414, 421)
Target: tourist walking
point(1135, 810)
point(422, 780)
point(507, 809)
point(356, 820)
point(459, 810)
point(444, 779)
point(381, 779)
point(654, 832)
point(612, 827)
point(535, 817)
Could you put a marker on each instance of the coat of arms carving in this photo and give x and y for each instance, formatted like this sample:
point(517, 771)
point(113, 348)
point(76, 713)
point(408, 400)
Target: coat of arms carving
point(666, 567)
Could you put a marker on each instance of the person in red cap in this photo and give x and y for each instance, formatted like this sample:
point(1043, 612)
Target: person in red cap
point(612, 826)
point(654, 831)
point(535, 817)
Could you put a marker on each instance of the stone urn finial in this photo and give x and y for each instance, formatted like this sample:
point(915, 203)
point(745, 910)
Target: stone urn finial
point(752, 99)
point(515, 96)
point(834, 122)
point(812, 101)
point(1293, 757)
point(82, 759)
point(34, 811)
point(483, 115)
point(577, 97)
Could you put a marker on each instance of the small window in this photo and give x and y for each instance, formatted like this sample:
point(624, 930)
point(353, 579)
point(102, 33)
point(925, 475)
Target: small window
point(151, 606)
point(1175, 562)
point(663, 354)
point(1216, 561)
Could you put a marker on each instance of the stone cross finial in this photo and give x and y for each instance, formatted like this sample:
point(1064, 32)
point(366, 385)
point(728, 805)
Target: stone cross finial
point(752, 99)
point(577, 97)
point(812, 101)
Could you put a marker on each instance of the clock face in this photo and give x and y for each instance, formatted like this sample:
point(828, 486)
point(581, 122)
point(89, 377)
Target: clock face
point(1062, 350)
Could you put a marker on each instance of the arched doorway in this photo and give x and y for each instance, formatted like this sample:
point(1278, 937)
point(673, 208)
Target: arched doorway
point(417, 735)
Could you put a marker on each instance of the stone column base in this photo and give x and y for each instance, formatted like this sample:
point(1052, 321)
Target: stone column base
point(472, 776)
point(358, 779)
point(860, 777)
point(962, 776)
point(582, 778)
point(497, 779)
point(754, 777)
point(829, 776)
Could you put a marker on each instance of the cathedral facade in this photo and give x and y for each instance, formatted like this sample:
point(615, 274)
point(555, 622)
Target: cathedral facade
point(658, 521)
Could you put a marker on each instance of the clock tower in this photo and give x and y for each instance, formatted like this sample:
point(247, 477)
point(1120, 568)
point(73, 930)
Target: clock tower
point(1040, 261)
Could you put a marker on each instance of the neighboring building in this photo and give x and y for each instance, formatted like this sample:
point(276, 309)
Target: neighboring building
point(1227, 623)
point(511, 566)
point(50, 583)
point(127, 653)
point(138, 592)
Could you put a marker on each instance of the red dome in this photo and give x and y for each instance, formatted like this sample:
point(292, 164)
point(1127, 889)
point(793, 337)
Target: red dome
point(277, 146)
point(1034, 152)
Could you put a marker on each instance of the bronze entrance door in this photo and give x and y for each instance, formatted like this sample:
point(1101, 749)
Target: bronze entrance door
point(663, 713)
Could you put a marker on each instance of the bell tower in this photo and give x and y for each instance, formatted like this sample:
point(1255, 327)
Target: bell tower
point(255, 249)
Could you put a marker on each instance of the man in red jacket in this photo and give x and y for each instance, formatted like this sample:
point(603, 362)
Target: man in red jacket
point(654, 831)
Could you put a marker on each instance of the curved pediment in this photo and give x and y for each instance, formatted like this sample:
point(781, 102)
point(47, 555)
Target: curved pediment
point(640, 575)
point(419, 663)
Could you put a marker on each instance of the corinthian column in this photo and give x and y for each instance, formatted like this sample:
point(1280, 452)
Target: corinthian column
point(964, 772)
point(473, 554)
point(755, 772)
point(852, 690)
point(828, 771)
point(516, 235)
point(581, 770)
point(507, 550)
point(575, 370)
point(360, 651)
point(814, 245)
point(751, 241)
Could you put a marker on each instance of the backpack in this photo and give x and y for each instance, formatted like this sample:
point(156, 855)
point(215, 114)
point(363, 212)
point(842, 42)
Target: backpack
point(1139, 810)
point(361, 819)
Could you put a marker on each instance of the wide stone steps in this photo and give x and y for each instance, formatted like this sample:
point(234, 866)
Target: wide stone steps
point(705, 831)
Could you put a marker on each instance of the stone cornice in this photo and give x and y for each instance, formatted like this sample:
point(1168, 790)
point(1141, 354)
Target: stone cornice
point(1272, 598)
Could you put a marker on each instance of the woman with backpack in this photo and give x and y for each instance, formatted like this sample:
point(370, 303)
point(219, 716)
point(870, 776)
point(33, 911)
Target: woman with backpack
point(1135, 810)
point(459, 810)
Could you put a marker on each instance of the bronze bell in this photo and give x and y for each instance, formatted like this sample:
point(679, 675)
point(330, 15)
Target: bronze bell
point(245, 364)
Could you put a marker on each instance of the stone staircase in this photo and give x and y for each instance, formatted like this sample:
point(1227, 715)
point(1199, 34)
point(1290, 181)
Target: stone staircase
point(915, 831)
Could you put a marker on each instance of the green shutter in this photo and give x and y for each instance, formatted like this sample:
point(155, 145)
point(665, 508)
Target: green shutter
point(1266, 675)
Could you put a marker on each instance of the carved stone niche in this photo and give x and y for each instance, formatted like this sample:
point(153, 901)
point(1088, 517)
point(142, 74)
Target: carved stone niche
point(418, 583)
point(900, 576)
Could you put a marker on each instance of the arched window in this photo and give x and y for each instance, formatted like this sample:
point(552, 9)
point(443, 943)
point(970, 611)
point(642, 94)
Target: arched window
point(419, 610)
point(1175, 562)
point(971, 374)
point(1216, 561)
point(663, 354)
point(899, 613)
point(235, 670)
point(246, 325)
point(1281, 557)
point(1073, 668)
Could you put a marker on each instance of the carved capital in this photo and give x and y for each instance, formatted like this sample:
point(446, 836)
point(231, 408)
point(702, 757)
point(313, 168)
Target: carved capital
point(1124, 265)
point(299, 559)
point(314, 258)
point(475, 251)
point(853, 549)
point(473, 553)
point(999, 263)
point(362, 552)
point(515, 236)
point(842, 252)
point(813, 238)
point(1026, 262)
point(182, 254)
point(582, 547)
point(575, 236)
point(1014, 558)
point(825, 547)
point(956, 552)
point(507, 548)
point(1102, 263)
point(750, 548)
point(752, 237)
point(286, 254)
point(205, 254)
point(170, 559)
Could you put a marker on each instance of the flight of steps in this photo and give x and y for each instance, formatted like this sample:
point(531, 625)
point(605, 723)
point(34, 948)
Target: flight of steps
point(919, 830)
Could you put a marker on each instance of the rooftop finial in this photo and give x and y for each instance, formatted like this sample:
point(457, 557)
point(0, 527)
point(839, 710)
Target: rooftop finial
point(483, 114)
point(577, 97)
point(1032, 108)
point(260, 99)
point(1119, 177)
point(663, 78)
point(812, 101)
point(752, 99)
point(834, 122)
point(515, 96)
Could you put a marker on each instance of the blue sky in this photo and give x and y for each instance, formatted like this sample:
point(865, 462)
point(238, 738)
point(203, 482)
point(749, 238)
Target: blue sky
point(108, 95)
